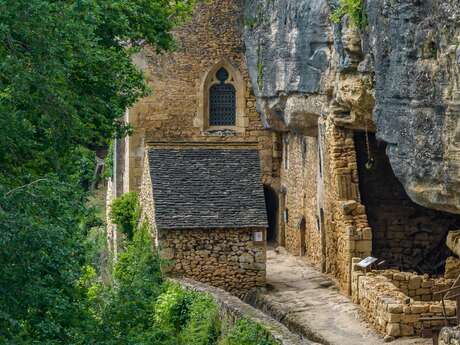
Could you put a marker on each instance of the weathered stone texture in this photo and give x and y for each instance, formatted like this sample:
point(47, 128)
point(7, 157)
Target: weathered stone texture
point(401, 69)
point(288, 52)
point(299, 181)
point(347, 231)
point(174, 111)
point(415, 50)
point(394, 301)
point(450, 336)
point(225, 258)
point(405, 234)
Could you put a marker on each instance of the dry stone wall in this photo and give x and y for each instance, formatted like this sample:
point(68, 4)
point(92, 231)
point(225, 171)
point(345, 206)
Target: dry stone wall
point(394, 301)
point(225, 258)
point(347, 231)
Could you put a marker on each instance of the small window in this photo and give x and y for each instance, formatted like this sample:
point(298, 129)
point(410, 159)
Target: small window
point(222, 101)
point(286, 153)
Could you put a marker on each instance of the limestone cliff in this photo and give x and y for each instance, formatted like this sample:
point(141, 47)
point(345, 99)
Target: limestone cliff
point(399, 73)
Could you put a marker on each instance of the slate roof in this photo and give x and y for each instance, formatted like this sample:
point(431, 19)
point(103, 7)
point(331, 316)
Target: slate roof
point(207, 188)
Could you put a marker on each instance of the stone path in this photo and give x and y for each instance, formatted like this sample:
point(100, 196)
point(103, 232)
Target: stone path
point(308, 303)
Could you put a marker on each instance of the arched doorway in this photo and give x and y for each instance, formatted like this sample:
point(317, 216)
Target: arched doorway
point(271, 202)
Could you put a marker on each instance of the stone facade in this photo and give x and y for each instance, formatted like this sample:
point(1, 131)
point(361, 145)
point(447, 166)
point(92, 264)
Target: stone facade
point(225, 258)
point(299, 185)
point(176, 109)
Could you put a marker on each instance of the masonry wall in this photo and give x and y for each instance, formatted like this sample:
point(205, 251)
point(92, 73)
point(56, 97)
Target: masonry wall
point(146, 200)
point(299, 182)
point(225, 258)
point(174, 111)
point(347, 232)
point(395, 302)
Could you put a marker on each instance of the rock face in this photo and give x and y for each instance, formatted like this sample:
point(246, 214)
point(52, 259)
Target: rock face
point(414, 45)
point(288, 54)
point(401, 70)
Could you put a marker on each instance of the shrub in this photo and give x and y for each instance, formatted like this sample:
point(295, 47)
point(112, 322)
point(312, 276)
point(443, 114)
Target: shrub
point(203, 326)
point(354, 9)
point(172, 308)
point(247, 332)
point(125, 212)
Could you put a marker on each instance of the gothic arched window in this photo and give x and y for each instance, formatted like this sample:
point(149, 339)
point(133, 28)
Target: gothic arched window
point(222, 101)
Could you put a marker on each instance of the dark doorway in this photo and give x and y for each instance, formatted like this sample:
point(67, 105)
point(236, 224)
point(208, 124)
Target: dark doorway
point(303, 240)
point(271, 201)
point(322, 229)
point(406, 235)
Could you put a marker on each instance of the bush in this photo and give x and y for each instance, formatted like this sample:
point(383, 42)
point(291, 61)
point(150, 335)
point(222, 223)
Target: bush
point(203, 326)
point(247, 332)
point(172, 308)
point(125, 212)
point(354, 9)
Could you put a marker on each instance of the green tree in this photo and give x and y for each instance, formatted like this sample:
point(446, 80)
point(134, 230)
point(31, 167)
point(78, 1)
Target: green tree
point(125, 212)
point(66, 78)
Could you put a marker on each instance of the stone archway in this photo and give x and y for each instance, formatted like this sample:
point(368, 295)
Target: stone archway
point(271, 202)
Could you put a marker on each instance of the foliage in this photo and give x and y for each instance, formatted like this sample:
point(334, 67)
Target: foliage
point(124, 310)
point(203, 326)
point(41, 255)
point(173, 307)
point(246, 332)
point(354, 9)
point(108, 161)
point(125, 212)
point(66, 75)
point(66, 78)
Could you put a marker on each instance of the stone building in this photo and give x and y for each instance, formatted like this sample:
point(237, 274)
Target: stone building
point(200, 129)
point(351, 164)
point(207, 213)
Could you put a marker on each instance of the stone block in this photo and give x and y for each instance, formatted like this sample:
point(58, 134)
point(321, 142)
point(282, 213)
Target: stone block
point(452, 269)
point(415, 282)
point(393, 329)
point(395, 308)
point(406, 330)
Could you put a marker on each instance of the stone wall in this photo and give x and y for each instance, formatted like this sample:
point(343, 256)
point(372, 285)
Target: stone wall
point(174, 110)
point(382, 297)
point(146, 200)
point(347, 231)
point(225, 258)
point(299, 182)
point(406, 235)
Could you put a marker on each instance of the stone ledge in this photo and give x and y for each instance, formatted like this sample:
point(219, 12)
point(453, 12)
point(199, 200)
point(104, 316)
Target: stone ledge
point(234, 309)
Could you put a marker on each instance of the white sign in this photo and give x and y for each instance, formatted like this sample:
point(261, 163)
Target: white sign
point(367, 262)
point(258, 236)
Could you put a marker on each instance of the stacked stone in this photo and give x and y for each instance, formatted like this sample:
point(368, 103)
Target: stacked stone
point(390, 309)
point(225, 258)
point(349, 233)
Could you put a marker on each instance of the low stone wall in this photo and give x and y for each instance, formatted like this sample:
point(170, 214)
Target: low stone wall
point(233, 309)
point(383, 297)
point(225, 258)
